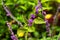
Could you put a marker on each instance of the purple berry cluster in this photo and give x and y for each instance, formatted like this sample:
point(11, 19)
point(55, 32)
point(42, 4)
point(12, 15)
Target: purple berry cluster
point(39, 6)
point(31, 20)
point(37, 12)
point(46, 21)
point(13, 37)
point(33, 16)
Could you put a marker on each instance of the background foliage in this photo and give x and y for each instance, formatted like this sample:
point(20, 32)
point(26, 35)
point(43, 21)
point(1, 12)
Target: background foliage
point(22, 10)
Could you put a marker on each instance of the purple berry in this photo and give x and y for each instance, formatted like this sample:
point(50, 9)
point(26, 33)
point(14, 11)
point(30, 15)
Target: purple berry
point(13, 37)
point(30, 20)
point(37, 9)
point(32, 16)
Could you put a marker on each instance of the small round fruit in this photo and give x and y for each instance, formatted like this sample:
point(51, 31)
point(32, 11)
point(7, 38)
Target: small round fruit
point(20, 33)
point(48, 16)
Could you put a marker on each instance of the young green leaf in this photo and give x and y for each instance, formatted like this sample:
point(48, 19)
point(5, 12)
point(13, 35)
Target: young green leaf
point(39, 21)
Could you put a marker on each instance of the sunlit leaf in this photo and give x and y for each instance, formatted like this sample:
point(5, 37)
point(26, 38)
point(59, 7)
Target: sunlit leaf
point(44, 1)
point(30, 29)
point(20, 18)
point(9, 2)
point(58, 1)
point(24, 8)
point(30, 3)
point(39, 21)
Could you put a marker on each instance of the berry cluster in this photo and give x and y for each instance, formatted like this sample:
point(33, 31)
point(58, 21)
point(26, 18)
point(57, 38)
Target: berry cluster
point(31, 20)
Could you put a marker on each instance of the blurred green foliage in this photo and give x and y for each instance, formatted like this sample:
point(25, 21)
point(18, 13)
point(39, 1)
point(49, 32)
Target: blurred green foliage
point(21, 10)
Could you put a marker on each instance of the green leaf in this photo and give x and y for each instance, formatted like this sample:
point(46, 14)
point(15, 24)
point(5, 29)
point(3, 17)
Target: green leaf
point(30, 29)
point(21, 1)
point(58, 1)
point(23, 7)
point(0, 2)
point(42, 1)
point(9, 2)
point(30, 3)
point(21, 18)
point(44, 38)
point(48, 8)
point(14, 26)
point(36, 34)
point(39, 21)
point(48, 38)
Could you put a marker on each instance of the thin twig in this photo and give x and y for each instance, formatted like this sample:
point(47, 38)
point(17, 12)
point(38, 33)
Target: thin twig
point(55, 19)
point(13, 37)
point(10, 14)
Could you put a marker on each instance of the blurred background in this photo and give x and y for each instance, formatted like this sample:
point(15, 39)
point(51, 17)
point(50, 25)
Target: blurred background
point(22, 11)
